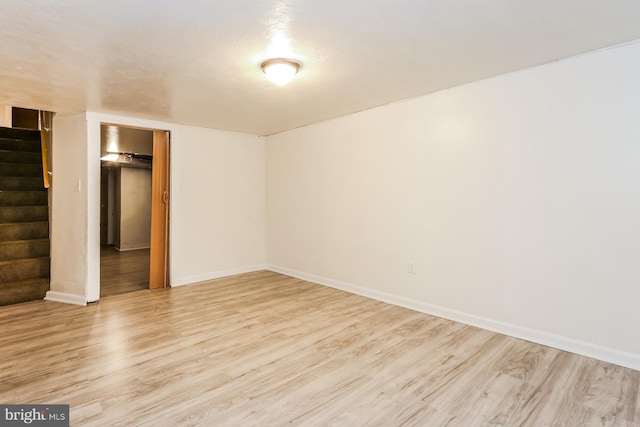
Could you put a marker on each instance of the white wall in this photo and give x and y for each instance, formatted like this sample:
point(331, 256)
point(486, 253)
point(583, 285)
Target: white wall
point(217, 204)
point(69, 201)
point(218, 221)
point(135, 208)
point(516, 198)
point(217, 200)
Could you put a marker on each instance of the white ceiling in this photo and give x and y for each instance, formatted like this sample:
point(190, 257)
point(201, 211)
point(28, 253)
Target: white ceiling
point(198, 61)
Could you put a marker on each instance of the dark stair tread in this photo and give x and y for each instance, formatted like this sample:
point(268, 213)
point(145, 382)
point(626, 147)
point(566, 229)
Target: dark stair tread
point(17, 214)
point(18, 291)
point(20, 145)
point(24, 249)
point(21, 269)
point(22, 183)
point(24, 198)
point(20, 241)
point(25, 265)
point(25, 260)
point(24, 230)
point(20, 157)
point(19, 134)
point(20, 169)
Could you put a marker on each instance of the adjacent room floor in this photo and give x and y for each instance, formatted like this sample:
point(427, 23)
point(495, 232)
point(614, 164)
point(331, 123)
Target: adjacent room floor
point(122, 272)
point(266, 349)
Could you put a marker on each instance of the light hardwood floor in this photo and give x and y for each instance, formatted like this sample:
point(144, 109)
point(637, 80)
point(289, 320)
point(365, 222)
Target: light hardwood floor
point(122, 272)
point(265, 349)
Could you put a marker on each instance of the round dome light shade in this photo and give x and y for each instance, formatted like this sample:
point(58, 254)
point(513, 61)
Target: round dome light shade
point(280, 71)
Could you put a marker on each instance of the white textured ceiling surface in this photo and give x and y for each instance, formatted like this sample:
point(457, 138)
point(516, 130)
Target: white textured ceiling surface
point(198, 61)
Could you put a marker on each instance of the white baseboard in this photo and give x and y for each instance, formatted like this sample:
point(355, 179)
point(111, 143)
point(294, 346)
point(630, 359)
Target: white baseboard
point(189, 280)
point(135, 248)
point(595, 351)
point(65, 298)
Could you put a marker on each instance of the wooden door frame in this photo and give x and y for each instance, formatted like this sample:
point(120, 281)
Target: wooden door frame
point(159, 256)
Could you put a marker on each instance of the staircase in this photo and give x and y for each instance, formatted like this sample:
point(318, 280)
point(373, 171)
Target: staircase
point(24, 218)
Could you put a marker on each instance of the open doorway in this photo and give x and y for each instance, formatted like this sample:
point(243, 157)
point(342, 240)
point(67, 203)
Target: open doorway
point(125, 209)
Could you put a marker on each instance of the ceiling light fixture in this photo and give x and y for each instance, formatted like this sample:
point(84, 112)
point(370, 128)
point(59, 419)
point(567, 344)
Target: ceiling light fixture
point(279, 70)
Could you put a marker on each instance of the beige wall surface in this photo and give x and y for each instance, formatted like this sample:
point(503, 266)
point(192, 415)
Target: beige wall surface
point(135, 208)
point(69, 207)
point(509, 203)
point(217, 203)
point(514, 200)
point(217, 199)
point(5, 116)
point(219, 224)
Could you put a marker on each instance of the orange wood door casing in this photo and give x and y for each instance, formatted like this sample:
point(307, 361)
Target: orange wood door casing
point(159, 262)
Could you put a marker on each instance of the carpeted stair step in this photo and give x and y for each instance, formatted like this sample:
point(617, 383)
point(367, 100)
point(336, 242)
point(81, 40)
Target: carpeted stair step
point(18, 291)
point(23, 214)
point(19, 134)
point(20, 157)
point(23, 198)
point(15, 145)
point(24, 231)
point(23, 269)
point(17, 169)
point(21, 249)
point(21, 183)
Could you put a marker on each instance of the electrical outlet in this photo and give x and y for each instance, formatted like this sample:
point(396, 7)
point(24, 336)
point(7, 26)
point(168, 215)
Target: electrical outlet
point(411, 268)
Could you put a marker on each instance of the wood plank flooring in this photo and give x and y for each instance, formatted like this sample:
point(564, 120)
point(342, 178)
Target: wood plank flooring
point(122, 272)
point(264, 349)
